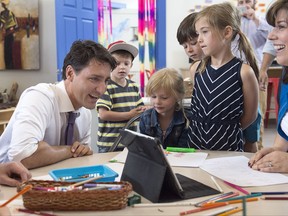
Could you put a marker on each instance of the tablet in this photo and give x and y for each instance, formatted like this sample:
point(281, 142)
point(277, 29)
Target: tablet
point(150, 173)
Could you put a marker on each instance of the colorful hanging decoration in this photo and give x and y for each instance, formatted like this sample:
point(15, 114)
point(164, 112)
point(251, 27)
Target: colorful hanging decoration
point(146, 20)
point(141, 40)
point(151, 35)
point(104, 22)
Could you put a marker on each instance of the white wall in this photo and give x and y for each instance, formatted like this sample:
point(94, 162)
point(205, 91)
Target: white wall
point(48, 57)
point(175, 56)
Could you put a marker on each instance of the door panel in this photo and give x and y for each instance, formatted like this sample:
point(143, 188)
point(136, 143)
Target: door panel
point(75, 20)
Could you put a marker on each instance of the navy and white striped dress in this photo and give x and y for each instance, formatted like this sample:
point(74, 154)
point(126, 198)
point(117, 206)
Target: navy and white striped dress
point(216, 108)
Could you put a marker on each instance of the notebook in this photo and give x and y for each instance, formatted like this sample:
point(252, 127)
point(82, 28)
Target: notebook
point(151, 175)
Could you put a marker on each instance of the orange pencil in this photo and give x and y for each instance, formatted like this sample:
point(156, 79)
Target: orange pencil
point(233, 201)
point(212, 205)
point(247, 200)
point(24, 190)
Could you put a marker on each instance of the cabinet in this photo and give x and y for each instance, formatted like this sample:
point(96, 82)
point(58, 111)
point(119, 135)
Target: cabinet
point(5, 115)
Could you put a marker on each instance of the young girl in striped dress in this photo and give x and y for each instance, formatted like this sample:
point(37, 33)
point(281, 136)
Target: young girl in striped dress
point(225, 94)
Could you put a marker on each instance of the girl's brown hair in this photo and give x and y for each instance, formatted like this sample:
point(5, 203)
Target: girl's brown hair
point(219, 16)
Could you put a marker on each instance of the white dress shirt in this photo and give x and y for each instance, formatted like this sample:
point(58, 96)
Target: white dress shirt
point(40, 115)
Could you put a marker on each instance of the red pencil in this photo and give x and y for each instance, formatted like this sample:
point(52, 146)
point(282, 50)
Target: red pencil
point(275, 198)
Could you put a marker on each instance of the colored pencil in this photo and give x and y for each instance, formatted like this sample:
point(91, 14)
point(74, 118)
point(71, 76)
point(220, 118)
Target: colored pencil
point(230, 212)
point(239, 197)
point(221, 196)
point(164, 204)
point(233, 201)
point(222, 210)
point(237, 187)
point(215, 205)
point(217, 185)
point(274, 198)
point(86, 181)
point(244, 205)
point(24, 190)
point(272, 193)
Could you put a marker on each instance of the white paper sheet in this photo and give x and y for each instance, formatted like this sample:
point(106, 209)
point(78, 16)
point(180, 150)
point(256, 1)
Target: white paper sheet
point(236, 170)
point(44, 177)
point(175, 159)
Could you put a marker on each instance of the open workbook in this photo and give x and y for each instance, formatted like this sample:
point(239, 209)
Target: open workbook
point(151, 175)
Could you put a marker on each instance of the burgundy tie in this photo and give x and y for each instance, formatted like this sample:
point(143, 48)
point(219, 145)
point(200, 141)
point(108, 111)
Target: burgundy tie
point(70, 128)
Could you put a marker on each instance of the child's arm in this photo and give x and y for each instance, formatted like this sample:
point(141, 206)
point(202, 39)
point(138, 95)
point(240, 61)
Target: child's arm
point(108, 115)
point(193, 69)
point(250, 89)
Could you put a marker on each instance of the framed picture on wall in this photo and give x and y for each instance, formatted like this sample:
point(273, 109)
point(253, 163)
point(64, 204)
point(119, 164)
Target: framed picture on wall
point(19, 36)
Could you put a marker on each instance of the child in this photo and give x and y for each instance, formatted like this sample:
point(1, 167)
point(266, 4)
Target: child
point(225, 94)
point(167, 119)
point(187, 37)
point(121, 101)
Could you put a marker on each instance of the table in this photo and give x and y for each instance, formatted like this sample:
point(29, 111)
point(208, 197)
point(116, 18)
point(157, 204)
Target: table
point(262, 207)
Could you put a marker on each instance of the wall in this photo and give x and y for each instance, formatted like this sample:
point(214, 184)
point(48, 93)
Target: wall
point(48, 58)
point(48, 55)
point(175, 55)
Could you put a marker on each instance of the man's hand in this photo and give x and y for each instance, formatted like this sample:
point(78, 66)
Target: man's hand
point(13, 173)
point(79, 150)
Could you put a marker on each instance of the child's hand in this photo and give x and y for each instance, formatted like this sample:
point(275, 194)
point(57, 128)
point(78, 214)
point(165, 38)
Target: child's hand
point(143, 108)
point(136, 111)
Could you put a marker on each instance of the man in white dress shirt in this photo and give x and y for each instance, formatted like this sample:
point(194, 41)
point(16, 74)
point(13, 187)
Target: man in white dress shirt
point(35, 133)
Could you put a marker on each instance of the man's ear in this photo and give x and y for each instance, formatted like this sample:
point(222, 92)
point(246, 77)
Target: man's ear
point(69, 72)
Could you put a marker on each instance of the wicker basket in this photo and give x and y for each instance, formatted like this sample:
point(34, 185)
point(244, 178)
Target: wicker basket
point(74, 200)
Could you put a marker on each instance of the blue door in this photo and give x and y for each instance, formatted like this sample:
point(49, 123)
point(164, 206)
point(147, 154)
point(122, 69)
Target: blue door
point(75, 19)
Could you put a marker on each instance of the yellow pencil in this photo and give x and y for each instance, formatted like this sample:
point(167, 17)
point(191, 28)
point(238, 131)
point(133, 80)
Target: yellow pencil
point(230, 212)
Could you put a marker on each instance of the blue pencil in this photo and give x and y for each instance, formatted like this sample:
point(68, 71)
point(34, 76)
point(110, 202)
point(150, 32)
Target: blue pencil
point(271, 193)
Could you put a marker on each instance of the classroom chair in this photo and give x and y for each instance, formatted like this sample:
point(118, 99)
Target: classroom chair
point(127, 125)
point(273, 85)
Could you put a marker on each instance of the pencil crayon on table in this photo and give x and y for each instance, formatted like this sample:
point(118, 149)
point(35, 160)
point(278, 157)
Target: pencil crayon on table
point(272, 192)
point(274, 198)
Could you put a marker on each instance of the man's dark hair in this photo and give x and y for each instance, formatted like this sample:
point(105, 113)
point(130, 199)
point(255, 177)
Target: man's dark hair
point(82, 52)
